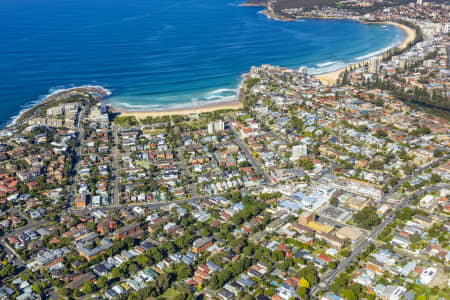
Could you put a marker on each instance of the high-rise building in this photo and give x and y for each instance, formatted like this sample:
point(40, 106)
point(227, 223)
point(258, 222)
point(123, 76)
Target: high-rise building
point(299, 151)
point(402, 64)
point(214, 127)
point(305, 217)
point(374, 65)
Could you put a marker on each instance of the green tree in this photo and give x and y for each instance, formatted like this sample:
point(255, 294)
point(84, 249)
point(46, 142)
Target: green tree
point(102, 282)
point(367, 217)
point(143, 260)
point(435, 178)
point(349, 294)
point(334, 201)
point(302, 292)
point(36, 288)
point(88, 287)
point(116, 273)
point(332, 265)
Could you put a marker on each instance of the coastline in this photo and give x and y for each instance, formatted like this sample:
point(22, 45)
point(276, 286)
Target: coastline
point(234, 104)
point(91, 89)
point(330, 78)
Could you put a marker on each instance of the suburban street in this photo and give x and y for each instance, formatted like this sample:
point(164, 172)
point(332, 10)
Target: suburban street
point(115, 167)
point(373, 235)
point(77, 154)
point(248, 153)
point(192, 186)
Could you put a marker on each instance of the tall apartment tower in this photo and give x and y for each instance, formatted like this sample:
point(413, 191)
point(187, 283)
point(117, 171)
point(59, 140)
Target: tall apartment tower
point(305, 217)
point(213, 127)
point(374, 65)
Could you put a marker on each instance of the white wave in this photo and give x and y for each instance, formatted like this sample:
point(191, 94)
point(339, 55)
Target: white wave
point(221, 91)
point(51, 92)
point(325, 64)
point(374, 53)
point(327, 68)
point(212, 97)
point(135, 106)
point(221, 98)
point(263, 12)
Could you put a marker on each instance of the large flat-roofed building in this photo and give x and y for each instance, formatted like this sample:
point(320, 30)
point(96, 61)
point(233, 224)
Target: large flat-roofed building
point(359, 187)
point(201, 244)
point(331, 240)
point(85, 246)
point(134, 229)
point(351, 233)
point(319, 227)
point(305, 217)
point(300, 228)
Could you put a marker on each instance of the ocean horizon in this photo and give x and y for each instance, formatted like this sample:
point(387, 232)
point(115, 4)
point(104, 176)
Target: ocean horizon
point(155, 55)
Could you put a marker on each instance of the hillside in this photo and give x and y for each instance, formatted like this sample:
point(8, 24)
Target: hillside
point(278, 5)
point(255, 3)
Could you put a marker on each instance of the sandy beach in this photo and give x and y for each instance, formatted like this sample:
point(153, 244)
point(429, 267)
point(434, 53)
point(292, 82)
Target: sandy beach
point(331, 77)
point(182, 111)
point(327, 78)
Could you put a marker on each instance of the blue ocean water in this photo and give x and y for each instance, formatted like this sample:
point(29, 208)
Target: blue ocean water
point(155, 54)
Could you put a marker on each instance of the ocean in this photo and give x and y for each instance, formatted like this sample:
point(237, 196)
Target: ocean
point(159, 54)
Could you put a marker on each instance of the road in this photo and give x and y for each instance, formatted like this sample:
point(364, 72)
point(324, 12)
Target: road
point(249, 154)
point(192, 186)
point(413, 174)
point(115, 167)
point(76, 158)
point(153, 205)
point(19, 262)
point(427, 189)
point(327, 170)
point(330, 277)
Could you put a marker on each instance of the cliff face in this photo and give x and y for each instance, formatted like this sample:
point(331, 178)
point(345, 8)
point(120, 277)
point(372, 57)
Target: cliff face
point(255, 3)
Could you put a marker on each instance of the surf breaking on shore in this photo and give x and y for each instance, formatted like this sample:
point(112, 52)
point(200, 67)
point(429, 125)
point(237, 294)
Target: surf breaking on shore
point(54, 93)
point(330, 77)
point(327, 72)
point(224, 98)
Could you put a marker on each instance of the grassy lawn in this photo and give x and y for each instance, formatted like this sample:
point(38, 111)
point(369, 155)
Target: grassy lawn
point(154, 131)
point(169, 294)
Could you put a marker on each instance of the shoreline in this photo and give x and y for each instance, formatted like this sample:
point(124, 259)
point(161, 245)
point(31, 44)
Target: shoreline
point(51, 96)
point(330, 78)
point(210, 107)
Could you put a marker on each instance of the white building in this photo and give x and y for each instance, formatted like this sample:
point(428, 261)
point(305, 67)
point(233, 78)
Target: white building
point(299, 151)
point(374, 65)
point(427, 275)
point(214, 127)
point(427, 201)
